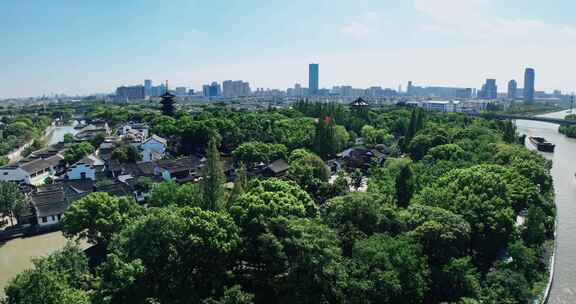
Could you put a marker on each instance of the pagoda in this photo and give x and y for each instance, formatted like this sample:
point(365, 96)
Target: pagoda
point(168, 103)
point(359, 103)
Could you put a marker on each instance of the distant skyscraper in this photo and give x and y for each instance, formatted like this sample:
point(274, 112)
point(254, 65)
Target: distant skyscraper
point(313, 78)
point(236, 88)
point(489, 90)
point(512, 87)
point(181, 91)
point(148, 87)
point(529, 78)
point(130, 93)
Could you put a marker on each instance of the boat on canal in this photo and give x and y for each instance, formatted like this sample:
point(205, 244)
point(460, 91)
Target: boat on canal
point(542, 144)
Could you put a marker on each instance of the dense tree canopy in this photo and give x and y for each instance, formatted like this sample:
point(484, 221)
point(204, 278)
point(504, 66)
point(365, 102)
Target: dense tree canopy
point(98, 216)
point(183, 255)
point(458, 213)
point(77, 151)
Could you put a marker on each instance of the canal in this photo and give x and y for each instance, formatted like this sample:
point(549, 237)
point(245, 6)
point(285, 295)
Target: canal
point(563, 169)
point(16, 255)
point(58, 134)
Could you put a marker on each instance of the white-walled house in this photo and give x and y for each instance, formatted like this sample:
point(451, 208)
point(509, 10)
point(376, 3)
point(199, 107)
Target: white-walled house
point(32, 172)
point(81, 170)
point(86, 168)
point(135, 128)
point(153, 148)
point(49, 205)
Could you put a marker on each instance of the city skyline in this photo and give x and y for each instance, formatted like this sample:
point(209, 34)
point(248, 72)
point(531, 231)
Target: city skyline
point(383, 43)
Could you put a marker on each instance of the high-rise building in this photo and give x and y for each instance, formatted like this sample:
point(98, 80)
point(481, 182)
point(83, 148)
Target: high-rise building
point(489, 90)
point(181, 91)
point(236, 88)
point(211, 90)
point(130, 93)
point(313, 78)
point(148, 87)
point(529, 78)
point(512, 87)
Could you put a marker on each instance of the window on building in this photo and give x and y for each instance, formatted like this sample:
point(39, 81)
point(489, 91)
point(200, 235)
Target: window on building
point(53, 218)
point(44, 219)
point(83, 175)
point(5, 173)
point(59, 217)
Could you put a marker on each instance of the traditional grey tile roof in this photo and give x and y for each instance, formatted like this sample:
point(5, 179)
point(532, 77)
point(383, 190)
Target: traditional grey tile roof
point(50, 200)
point(179, 165)
point(35, 166)
point(158, 139)
point(91, 160)
point(278, 166)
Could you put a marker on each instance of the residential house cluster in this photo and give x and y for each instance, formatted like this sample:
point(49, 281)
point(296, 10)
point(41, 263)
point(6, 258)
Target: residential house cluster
point(50, 185)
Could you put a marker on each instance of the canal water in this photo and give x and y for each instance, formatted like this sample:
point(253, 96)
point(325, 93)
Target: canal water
point(563, 169)
point(58, 134)
point(16, 255)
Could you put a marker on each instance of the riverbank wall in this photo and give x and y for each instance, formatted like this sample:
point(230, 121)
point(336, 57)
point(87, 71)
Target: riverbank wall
point(551, 267)
point(16, 155)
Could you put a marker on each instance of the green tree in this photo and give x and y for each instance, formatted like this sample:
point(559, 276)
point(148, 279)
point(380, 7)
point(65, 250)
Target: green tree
point(356, 178)
point(233, 295)
point(98, 139)
point(442, 234)
point(534, 233)
point(506, 286)
point(325, 141)
point(373, 136)
point(174, 255)
point(422, 143)
point(77, 151)
point(358, 215)
point(240, 184)
point(126, 154)
point(404, 187)
point(212, 183)
point(61, 278)
point(509, 132)
point(254, 152)
point(448, 152)
point(416, 124)
point(68, 138)
point(462, 277)
point(308, 170)
point(98, 216)
point(480, 195)
point(272, 198)
point(11, 201)
point(170, 193)
point(388, 270)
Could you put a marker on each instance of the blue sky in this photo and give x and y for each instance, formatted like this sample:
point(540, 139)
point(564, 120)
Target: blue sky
point(70, 46)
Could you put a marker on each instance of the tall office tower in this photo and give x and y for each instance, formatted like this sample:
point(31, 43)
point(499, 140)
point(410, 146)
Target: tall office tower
point(130, 93)
point(529, 77)
point(313, 78)
point(512, 87)
point(409, 88)
point(298, 90)
point(228, 88)
point(489, 90)
point(148, 87)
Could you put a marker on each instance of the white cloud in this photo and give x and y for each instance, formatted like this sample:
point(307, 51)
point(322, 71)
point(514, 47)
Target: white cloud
point(453, 11)
point(364, 26)
point(477, 20)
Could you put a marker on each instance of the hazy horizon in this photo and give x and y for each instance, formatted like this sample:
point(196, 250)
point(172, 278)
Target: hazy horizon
point(90, 47)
